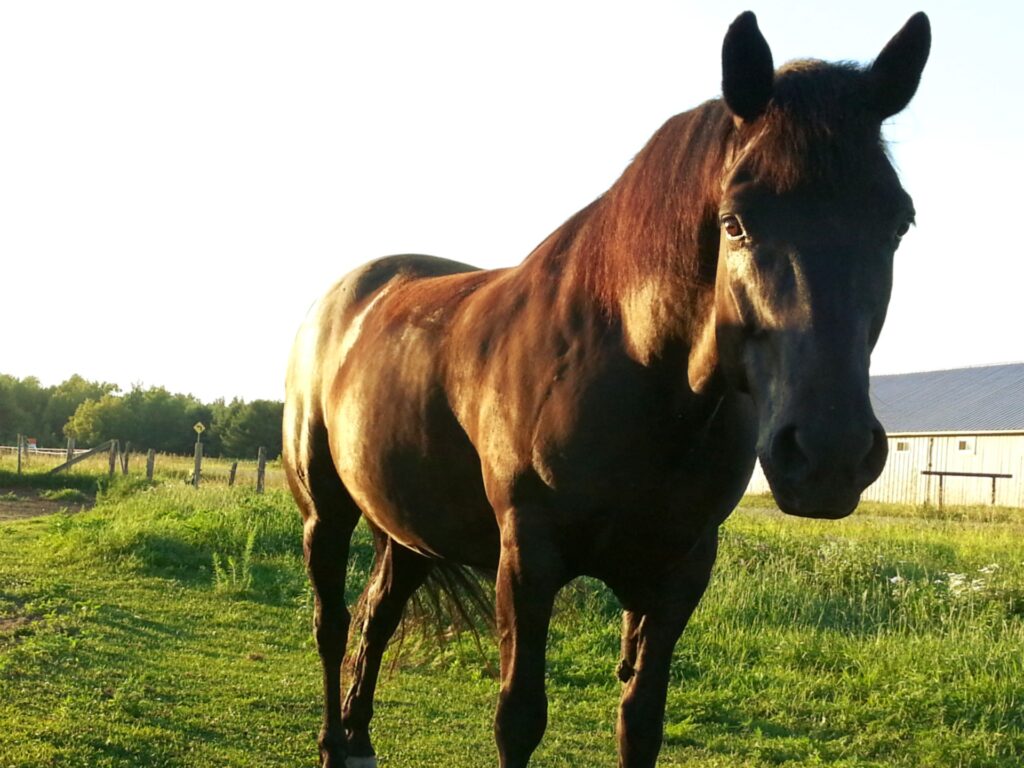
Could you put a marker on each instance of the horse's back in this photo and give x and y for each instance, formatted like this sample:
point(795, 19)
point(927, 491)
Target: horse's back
point(364, 393)
point(331, 327)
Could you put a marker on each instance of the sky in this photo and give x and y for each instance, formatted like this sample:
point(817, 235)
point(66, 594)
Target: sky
point(179, 181)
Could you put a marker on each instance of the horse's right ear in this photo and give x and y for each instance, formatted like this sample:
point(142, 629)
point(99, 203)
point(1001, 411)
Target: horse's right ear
point(748, 74)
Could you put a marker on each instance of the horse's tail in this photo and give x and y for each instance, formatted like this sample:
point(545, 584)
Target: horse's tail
point(454, 600)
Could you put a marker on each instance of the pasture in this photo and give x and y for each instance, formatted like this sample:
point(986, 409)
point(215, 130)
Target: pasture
point(168, 626)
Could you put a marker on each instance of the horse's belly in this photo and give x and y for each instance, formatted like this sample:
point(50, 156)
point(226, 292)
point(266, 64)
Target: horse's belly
point(412, 469)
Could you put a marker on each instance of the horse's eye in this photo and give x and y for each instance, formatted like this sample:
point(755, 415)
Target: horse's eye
point(733, 228)
point(903, 229)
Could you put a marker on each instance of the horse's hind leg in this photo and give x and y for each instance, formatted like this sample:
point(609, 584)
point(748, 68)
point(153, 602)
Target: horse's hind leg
point(329, 516)
point(326, 545)
point(398, 572)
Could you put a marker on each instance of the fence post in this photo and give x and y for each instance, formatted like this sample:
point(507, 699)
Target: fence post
point(21, 439)
point(71, 449)
point(261, 469)
point(113, 456)
point(231, 474)
point(124, 457)
point(150, 461)
point(198, 465)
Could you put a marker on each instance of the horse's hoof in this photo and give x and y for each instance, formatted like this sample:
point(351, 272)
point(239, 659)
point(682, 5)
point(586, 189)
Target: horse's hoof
point(333, 761)
point(332, 751)
point(361, 762)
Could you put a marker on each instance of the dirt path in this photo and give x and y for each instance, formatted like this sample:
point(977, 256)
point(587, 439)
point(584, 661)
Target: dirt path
point(21, 503)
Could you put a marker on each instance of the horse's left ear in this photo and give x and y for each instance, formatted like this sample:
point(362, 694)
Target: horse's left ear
point(748, 74)
point(896, 73)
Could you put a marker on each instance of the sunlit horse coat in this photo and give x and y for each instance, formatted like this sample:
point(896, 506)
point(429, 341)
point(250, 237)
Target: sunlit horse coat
point(597, 410)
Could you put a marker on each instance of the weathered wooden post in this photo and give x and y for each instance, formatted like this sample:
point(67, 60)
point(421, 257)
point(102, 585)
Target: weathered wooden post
point(232, 473)
point(71, 449)
point(198, 466)
point(261, 469)
point(21, 440)
point(197, 470)
point(124, 457)
point(150, 462)
point(113, 456)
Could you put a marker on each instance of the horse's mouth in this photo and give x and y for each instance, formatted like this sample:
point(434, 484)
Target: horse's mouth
point(825, 498)
point(823, 508)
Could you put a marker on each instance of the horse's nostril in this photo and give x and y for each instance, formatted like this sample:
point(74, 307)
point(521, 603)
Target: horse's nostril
point(787, 453)
point(801, 453)
point(874, 460)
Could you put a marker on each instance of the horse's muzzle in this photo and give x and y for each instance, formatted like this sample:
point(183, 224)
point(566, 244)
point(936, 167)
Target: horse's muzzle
point(821, 472)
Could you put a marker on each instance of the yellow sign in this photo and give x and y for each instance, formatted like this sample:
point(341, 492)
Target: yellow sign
point(199, 428)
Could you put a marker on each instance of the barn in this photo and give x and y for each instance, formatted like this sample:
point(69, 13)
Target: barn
point(956, 437)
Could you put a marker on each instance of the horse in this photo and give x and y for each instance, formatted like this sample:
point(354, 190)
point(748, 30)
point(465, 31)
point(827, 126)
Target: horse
point(597, 410)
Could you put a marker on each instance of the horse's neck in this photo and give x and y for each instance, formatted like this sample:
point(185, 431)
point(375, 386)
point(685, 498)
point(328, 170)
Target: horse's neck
point(651, 284)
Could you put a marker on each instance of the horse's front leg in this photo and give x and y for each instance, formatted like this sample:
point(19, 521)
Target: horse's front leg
point(530, 573)
point(648, 641)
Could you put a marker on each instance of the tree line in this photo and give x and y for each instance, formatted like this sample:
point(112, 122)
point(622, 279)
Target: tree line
point(94, 411)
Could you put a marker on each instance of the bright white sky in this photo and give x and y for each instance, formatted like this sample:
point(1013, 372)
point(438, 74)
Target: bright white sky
point(179, 181)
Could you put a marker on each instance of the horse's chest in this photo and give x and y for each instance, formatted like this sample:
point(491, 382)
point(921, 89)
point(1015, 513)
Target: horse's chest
point(645, 444)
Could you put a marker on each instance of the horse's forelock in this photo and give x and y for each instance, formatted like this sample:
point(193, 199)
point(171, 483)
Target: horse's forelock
point(817, 129)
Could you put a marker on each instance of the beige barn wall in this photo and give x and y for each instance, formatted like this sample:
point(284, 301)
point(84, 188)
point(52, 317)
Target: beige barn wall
point(902, 482)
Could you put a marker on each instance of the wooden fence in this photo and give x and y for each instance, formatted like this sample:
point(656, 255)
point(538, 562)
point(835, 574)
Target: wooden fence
point(119, 457)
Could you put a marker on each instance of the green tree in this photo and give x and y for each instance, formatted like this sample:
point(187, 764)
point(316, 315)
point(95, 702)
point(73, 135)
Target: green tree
point(64, 401)
point(97, 420)
point(148, 418)
point(250, 426)
point(93, 412)
point(21, 407)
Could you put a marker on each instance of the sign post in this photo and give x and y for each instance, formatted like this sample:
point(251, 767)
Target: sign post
point(199, 429)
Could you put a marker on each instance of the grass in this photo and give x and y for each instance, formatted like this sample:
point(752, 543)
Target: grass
point(65, 495)
point(170, 627)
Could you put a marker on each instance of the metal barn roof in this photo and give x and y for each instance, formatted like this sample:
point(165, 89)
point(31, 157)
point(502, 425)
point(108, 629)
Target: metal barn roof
point(989, 398)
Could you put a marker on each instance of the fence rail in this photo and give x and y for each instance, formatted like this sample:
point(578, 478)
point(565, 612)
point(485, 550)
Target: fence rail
point(12, 450)
point(943, 474)
point(114, 456)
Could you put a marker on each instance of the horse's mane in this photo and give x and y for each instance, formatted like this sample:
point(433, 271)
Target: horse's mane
point(661, 216)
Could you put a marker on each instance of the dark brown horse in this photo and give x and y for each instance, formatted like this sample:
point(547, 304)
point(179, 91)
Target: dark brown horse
point(597, 410)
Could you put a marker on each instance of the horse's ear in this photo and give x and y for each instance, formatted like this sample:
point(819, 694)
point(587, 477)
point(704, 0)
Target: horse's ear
point(748, 74)
point(895, 75)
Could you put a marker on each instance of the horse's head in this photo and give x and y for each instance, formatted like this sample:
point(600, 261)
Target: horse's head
point(810, 217)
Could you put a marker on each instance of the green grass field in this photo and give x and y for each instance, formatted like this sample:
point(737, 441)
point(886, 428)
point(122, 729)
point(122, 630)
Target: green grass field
point(169, 626)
